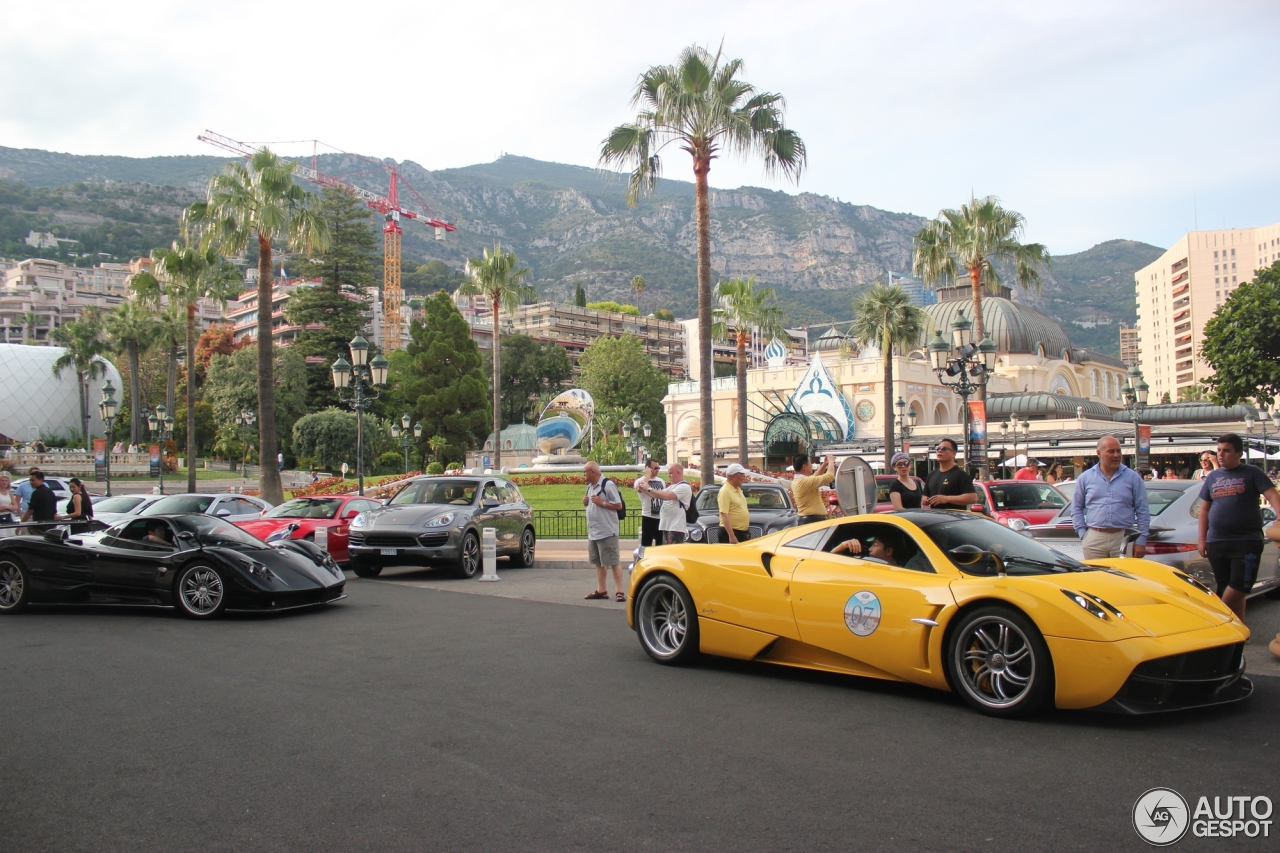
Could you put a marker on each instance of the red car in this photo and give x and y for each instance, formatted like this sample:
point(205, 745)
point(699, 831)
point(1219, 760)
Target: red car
point(1019, 503)
point(332, 512)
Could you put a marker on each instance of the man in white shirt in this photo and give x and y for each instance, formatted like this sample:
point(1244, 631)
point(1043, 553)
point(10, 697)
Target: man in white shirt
point(650, 507)
point(675, 500)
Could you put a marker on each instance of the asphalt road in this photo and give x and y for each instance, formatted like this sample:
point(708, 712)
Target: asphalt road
point(423, 719)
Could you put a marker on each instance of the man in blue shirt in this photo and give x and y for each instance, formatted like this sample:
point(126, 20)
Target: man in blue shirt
point(1231, 522)
point(1109, 498)
point(25, 490)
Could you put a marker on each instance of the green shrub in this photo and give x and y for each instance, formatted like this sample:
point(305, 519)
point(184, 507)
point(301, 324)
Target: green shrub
point(390, 463)
point(435, 468)
point(454, 466)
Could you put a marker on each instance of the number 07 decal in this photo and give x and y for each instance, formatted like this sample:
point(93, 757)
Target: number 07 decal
point(862, 613)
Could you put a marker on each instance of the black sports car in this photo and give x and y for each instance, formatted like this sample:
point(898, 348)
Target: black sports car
point(199, 564)
point(770, 508)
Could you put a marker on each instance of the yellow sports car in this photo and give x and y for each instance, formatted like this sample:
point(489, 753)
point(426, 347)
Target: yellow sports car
point(949, 600)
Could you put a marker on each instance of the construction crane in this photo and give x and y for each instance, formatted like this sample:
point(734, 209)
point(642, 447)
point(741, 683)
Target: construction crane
point(390, 208)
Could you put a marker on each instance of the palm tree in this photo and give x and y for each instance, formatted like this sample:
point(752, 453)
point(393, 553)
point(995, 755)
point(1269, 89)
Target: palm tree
point(638, 284)
point(437, 444)
point(886, 318)
point(700, 105)
point(30, 322)
point(743, 308)
point(260, 201)
point(495, 277)
point(189, 274)
point(171, 333)
point(973, 239)
point(84, 347)
point(132, 329)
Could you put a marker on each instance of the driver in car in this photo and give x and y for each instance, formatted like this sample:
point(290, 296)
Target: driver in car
point(157, 534)
point(878, 547)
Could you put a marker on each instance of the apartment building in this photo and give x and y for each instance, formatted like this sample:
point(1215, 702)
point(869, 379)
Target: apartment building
point(243, 314)
point(1130, 347)
point(1180, 291)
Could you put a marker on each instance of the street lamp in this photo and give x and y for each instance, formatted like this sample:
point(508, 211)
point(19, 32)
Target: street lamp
point(1135, 392)
point(161, 425)
point(906, 421)
point(964, 366)
point(361, 376)
point(402, 428)
point(107, 408)
point(244, 419)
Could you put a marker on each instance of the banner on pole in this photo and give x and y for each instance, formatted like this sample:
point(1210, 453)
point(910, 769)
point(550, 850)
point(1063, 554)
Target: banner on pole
point(155, 460)
point(977, 434)
point(99, 459)
point(1144, 447)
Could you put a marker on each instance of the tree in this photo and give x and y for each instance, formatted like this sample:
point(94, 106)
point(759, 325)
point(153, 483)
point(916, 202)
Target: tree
point(638, 284)
point(432, 276)
point(187, 274)
point(496, 277)
point(83, 348)
point(232, 385)
point(973, 239)
point(132, 329)
point(885, 317)
point(530, 369)
point(327, 438)
point(614, 307)
point(259, 201)
point(218, 339)
point(171, 331)
point(618, 373)
point(442, 378)
point(437, 444)
point(579, 295)
point(742, 309)
point(700, 105)
point(1242, 343)
point(664, 314)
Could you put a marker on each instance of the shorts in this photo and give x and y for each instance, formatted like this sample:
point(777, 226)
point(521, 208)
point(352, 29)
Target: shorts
point(603, 552)
point(1235, 563)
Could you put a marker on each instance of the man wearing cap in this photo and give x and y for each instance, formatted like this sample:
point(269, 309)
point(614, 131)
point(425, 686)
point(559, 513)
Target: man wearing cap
point(805, 487)
point(1029, 471)
point(735, 518)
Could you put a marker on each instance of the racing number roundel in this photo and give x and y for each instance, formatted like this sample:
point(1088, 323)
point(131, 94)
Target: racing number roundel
point(862, 613)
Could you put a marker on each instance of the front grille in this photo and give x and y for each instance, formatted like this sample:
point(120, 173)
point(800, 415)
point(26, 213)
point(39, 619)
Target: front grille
point(1204, 677)
point(714, 534)
point(1204, 665)
point(433, 540)
point(384, 540)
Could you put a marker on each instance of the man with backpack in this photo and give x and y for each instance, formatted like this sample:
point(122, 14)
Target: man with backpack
point(604, 509)
point(677, 506)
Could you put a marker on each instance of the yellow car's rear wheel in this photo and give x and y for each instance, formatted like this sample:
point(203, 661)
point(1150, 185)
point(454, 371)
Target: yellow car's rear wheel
point(667, 621)
point(998, 662)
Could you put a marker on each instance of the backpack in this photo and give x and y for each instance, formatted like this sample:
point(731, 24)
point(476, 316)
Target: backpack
point(691, 511)
point(622, 513)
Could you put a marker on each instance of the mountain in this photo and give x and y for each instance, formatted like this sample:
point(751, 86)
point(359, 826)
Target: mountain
point(572, 225)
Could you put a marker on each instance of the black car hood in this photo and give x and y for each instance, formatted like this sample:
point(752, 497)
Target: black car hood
point(293, 570)
point(409, 515)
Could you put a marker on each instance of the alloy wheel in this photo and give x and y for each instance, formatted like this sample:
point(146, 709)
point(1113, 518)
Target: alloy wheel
point(995, 662)
point(201, 591)
point(470, 555)
point(11, 585)
point(526, 548)
point(664, 621)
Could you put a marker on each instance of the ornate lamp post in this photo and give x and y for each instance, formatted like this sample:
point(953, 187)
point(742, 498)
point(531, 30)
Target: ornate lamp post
point(402, 428)
point(361, 376)
point(160, 423)
point(906, 422)
point(631, 432)
point(107, 408)
point(964, 366)
point(1011, 428)
point(1135, 393)
point(245, 420)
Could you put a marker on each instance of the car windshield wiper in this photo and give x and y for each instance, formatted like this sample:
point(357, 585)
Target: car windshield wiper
point(1031, 561)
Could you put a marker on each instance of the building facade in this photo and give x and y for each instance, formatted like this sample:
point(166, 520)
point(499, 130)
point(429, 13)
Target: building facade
point(1178, 293)
point(1130, 346)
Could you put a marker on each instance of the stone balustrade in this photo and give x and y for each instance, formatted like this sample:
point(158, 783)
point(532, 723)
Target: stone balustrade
point(77, 463)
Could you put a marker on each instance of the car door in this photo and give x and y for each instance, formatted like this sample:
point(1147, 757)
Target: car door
point(128, 567)
point(510, 510)
point(489, 516)
point(58, 567)
point(874, 613)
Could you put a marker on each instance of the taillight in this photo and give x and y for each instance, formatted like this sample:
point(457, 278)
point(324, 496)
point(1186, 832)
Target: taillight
point(1171, 547)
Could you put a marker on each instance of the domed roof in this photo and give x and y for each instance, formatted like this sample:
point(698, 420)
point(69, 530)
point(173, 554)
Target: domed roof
point(1015, 328)
point(34, 402)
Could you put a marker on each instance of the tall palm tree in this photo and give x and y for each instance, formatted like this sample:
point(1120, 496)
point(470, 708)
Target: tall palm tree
point(496, 277)
point(171, 333)
point(187, 274)
point(30, 324)
point(886, 318)
point(743, 308)
point(259, 201)
point(973, 239)
point(638, 284)
point(84, 348)
point(437, 444)
point(701, 106)
point(132, 329)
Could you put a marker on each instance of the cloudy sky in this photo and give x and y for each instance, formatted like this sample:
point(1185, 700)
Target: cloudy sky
point(1096, 120)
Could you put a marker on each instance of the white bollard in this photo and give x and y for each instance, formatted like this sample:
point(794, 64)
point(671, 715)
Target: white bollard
point(322, 538)
point(489, 550)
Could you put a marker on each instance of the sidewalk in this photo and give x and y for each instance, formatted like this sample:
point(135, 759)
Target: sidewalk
point(572, 553)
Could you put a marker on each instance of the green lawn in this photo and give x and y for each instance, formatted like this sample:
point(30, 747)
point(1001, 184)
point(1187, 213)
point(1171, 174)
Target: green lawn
point(568, 497)
point(180, 474)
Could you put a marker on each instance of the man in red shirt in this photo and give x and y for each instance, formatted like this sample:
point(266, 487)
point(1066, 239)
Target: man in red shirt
point(1030, 471)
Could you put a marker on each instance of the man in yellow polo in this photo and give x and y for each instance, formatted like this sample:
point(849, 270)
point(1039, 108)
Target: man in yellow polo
point(805, 487)
point(735, 519)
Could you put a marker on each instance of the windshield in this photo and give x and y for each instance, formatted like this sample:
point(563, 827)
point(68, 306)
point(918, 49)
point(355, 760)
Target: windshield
point(1021, 554)
point(122, 503)
point(215, 531)
point(456, 492)
point(180, 503)
point(1016, 496)
point(307, 508)
point(1161, 499)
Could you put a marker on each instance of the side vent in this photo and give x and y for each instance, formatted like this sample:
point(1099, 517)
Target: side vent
point(766, 560)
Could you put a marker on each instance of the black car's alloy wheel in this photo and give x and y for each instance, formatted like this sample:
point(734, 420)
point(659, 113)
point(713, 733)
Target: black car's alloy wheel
point(523, 558)
point(14, 589)
point(999, 663)
point(469, 558)
point(667, 621)
point(201, 593)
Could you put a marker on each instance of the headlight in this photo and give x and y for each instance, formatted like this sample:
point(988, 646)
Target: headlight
point(358, 521)
point(1095, 605)
point(258, 570)
point(441, 520)
point(695, 535)
point(1018, 524)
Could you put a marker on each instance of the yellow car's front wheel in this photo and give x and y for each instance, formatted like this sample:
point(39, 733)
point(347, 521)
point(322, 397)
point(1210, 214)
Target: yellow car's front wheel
point(998, 661)
point(666, 620)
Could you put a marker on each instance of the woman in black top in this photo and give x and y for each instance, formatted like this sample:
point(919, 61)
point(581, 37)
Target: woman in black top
point(904, 492)
point(80, 507)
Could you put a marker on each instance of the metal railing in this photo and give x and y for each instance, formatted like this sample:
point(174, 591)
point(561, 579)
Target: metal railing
point(572, 524)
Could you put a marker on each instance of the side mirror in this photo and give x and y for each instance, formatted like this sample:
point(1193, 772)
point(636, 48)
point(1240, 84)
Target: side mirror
point(971, 555)
point(223, 513)
point(350, 514)
point(489, 503)
point(57, 535)
point(978, 508)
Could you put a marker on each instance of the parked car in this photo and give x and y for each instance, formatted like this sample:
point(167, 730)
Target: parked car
point(438, 520)
point(300, 518)
point(229, 506)
point(1018, 504)
point(61, 489)
point(769, 505)
point(1175, 535)
point(118, 507)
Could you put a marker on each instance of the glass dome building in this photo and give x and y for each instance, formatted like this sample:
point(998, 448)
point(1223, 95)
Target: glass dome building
point(34, 402)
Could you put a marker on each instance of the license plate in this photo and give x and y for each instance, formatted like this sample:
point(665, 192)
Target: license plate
point(388, 552)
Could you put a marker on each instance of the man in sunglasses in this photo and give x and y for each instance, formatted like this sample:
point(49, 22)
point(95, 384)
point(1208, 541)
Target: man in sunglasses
point(949, 487)
point(650, 505)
